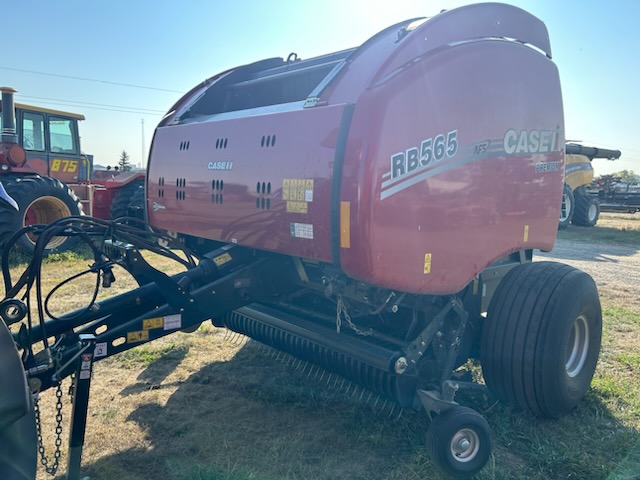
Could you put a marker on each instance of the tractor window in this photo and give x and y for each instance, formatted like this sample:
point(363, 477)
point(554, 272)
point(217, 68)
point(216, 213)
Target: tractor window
point(33, 131)
point(61, 132)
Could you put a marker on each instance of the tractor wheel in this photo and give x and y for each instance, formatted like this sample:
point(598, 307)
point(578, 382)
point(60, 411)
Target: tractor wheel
point(541, 339)
point(459, 441)
point(587, 209)
point(123, 198)
point(567, 208)
point(41, 200)
point(136, 207)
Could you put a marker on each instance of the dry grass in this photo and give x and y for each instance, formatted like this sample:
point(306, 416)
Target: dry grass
point(618, 228)
point(199, 406)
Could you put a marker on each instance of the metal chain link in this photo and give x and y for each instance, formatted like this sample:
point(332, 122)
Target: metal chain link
point(342, 312)
point(53, 468)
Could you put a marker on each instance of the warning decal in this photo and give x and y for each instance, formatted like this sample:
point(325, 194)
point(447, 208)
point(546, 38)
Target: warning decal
point(139, 336)
point(298, 193)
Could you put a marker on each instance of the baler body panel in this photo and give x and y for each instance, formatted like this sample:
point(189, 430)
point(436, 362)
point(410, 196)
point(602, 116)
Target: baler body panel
point(452, 158)
point(263, 181)
point(429, 225)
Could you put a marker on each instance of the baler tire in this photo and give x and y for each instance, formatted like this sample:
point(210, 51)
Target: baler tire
point(567, 208)
point(541, 339)
point(587, 209)
point(123, 199)
point(41, 200)
point(18, 438)
point(459, 441)
point(9, 222)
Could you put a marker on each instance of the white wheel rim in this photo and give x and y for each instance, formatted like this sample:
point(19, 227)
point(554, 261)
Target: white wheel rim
point(592, 212)
point(465, 445)
point(565, 208)
point(577, 347)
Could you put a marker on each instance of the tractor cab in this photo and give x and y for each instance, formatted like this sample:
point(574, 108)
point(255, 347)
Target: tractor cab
point(51, 141)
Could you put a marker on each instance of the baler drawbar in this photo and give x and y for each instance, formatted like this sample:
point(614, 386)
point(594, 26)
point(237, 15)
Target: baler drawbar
point(373, 211)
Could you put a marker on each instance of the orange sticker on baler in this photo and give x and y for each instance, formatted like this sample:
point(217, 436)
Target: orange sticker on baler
point(345, 224)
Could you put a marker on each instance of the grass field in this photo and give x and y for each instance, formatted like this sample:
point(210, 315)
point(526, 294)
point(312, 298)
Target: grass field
point(204, 406)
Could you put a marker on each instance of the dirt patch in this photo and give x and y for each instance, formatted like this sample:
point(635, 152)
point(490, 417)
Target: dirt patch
point(615, 268)
point(609, 252)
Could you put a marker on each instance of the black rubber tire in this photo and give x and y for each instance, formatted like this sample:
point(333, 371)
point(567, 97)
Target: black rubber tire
point(567, 208)
point(123, 199)
point(18, 440)
point(447, 430)
point(41, 200)
point(136, 207)
point(529, 355)
point(587, 209)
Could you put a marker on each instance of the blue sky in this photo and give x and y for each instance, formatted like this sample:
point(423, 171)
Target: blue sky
point(171, 45)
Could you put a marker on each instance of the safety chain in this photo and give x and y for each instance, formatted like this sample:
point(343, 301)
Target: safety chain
point(53, 468)
point(342, 312)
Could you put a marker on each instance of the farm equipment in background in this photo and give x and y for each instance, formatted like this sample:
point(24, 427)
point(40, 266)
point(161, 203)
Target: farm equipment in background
point(579, 206)
point(43, 169)
point(373, 211)
point(616, 195)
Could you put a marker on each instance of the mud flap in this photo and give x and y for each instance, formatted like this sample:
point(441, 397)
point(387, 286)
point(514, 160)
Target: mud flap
point(18, 440)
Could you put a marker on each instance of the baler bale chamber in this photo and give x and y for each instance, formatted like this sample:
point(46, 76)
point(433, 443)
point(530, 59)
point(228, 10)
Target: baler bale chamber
point(373, 211)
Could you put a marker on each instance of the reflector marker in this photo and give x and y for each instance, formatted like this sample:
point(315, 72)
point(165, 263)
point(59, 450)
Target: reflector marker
point(345, 224)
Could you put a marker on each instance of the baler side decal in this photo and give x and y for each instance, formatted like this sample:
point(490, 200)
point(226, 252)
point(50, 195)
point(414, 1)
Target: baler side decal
point(301, 230)
point(398, 187)
point(298, 193)
point(433, 149)
point(412, 168)
point(493, 150)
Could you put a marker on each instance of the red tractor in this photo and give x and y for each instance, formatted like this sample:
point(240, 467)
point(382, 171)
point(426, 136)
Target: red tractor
point(43, 169)
point(373, 211)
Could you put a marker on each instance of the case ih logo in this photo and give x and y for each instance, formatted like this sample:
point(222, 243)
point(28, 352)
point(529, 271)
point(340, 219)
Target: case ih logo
point(220, 165)
point(531, 141)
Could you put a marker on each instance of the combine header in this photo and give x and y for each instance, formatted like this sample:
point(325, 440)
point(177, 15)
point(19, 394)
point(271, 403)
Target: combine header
point(373, 211)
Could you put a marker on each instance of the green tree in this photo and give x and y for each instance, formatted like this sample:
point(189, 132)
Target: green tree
point(627, 176)
point(124, 163)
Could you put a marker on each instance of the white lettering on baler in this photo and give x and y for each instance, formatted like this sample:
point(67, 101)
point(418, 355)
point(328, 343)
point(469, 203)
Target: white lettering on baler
point(530, 141)
point(220, 165)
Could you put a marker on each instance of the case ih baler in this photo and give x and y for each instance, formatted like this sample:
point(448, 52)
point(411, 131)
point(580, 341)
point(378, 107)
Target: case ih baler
point(373, 211)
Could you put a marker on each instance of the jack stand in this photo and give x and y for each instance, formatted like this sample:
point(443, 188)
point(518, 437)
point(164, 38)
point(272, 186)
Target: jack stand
point(81, 386)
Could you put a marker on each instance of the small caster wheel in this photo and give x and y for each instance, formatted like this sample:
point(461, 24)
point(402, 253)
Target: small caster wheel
point(459, 441)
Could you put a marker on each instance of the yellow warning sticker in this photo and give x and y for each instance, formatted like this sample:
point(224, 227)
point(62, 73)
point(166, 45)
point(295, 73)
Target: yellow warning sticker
point(427, 263)
point(526, 233)
point(296, 207)
point(297, 189)
point(150, 323)
point(139, 336)
point(222, 259)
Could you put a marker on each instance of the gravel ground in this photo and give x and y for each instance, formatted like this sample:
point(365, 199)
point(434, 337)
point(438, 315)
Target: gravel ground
point(615, 268)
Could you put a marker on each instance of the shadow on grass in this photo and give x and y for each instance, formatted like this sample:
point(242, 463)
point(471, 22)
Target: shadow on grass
point(255, 418)
point(153, 376)
point(579, 247)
